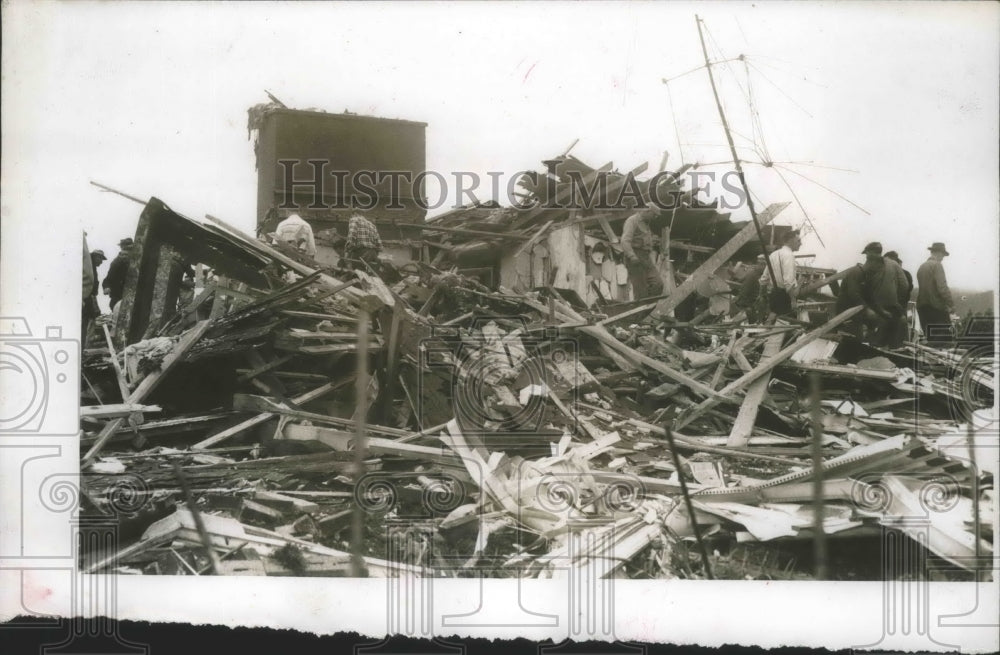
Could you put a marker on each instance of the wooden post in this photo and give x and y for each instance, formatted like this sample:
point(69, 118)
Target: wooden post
point(358, 569)
point(819, 540)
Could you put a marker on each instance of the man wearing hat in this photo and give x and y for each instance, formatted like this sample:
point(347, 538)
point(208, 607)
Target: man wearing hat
point(885, 291)
point(114, 283)
point(97, 258)
point(91, 309)
point(934, 303)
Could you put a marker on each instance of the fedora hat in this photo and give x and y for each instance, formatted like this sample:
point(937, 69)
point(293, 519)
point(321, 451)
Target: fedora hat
point(937, 246)
point(873, 247)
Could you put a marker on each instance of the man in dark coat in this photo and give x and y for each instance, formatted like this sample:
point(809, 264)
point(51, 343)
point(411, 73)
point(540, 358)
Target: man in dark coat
point(894, 256)
point(114, 283)
point(91, 309)
point(934, 303)
point(885, 292)
point(852, 293)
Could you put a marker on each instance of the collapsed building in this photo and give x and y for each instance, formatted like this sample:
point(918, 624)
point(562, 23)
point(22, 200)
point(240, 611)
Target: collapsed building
point(518, 419)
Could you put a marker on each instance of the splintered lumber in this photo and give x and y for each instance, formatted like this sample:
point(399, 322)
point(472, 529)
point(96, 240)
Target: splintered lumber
point(890, 375)
point(148, 384)
point(285, 503)
point(603, 336)
point(707, 268)
point(264, 367)
point(119, 374)
point(717, 376)
point(226, 533)
point(569, 315)
point(264, 416)
point(691, 443)
point(259, 512)
point(343, 441)
point(116, 411)
point(739, 436)
point(766, 367)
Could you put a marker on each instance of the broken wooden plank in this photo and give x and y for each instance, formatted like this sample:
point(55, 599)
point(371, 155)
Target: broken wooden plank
point(264, 416)
point(285, 503)
point(333, 318)
point(119, 373)
point(765, 367)
point(841, 369)
point(739, 436)
point(148, 384)
point(717, 375)
point(344, 441)
point(116, 411)
point(264, 367)
point(602, 335)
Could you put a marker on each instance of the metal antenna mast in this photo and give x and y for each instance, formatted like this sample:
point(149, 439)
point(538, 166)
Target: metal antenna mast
point(736, 159)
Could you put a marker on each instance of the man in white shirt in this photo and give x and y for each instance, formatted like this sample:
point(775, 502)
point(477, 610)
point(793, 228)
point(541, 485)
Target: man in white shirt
point(295, 231)
point(783, 264)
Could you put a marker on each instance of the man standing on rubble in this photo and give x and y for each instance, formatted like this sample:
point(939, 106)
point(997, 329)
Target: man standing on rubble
point(637, 242)
point(885, 292)
point(295, 231)
point(114, 283)
point(782, 298)
point(363, 241)
point(934, 304)
point(91, 309)
point(852, 293)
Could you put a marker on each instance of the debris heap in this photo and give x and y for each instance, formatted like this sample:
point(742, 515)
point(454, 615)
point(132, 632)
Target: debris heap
point(520, 420)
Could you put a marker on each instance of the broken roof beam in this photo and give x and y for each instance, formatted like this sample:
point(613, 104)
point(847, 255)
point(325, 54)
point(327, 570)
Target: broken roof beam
point(430, 227)
point(562, 196)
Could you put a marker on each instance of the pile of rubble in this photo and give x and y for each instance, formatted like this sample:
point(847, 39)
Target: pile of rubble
point(514, 427)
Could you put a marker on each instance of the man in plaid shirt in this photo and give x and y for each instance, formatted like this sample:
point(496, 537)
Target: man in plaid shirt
point(363, 241)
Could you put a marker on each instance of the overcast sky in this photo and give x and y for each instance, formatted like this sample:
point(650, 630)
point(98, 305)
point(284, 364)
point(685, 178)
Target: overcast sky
point(151, 98)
